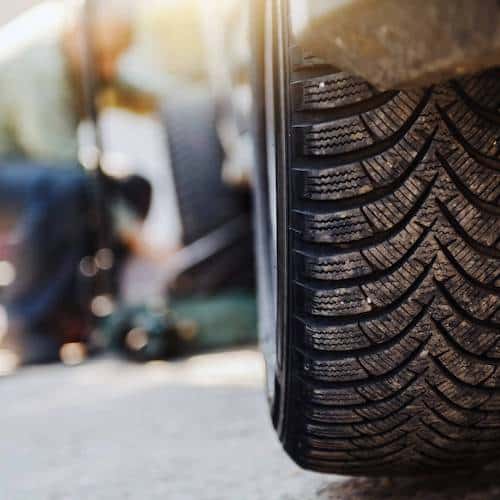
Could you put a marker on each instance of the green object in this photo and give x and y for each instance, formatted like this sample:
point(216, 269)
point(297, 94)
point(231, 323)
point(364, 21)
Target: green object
point(210, 322)
point(189, 325)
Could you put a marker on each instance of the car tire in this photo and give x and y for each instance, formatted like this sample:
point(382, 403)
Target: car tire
point(381, 325)
point(206, 203)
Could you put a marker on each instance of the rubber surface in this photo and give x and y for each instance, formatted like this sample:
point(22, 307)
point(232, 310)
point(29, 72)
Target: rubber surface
point(205, 202)
point(394, 317)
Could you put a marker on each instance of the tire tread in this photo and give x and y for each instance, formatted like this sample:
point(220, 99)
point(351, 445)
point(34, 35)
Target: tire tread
point(395, 223)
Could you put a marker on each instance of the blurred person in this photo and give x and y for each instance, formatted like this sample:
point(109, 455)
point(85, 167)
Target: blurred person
point(42, 74)
point(42, 103)
point(51, 54)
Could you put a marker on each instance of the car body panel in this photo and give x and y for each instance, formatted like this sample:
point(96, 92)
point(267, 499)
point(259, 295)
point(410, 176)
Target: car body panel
point(398, 44)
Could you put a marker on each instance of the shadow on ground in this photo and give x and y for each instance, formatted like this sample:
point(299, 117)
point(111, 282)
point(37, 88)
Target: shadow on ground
point(480, 485)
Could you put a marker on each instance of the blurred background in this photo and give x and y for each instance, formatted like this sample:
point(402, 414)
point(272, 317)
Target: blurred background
point(125, 179)
point(127, 297)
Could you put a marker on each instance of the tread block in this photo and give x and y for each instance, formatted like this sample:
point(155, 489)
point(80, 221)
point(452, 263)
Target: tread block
point(331, 91)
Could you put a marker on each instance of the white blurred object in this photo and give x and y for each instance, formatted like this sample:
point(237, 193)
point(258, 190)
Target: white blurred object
point(73, 353)
point(227, 58)
point(143, 141)
point(37, 116)
point(43, 21)
point(9, 362)
point(102, 306)
point(7, 273)
point(4, 322)
point(140, 69)
point(136, 339)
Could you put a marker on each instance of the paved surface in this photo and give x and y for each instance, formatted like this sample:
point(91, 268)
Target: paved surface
point(191, 430)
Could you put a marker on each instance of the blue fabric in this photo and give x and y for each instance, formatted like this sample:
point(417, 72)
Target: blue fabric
point(46, 207)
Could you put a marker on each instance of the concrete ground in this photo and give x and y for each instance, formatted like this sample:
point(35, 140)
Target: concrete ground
point(191, 430)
